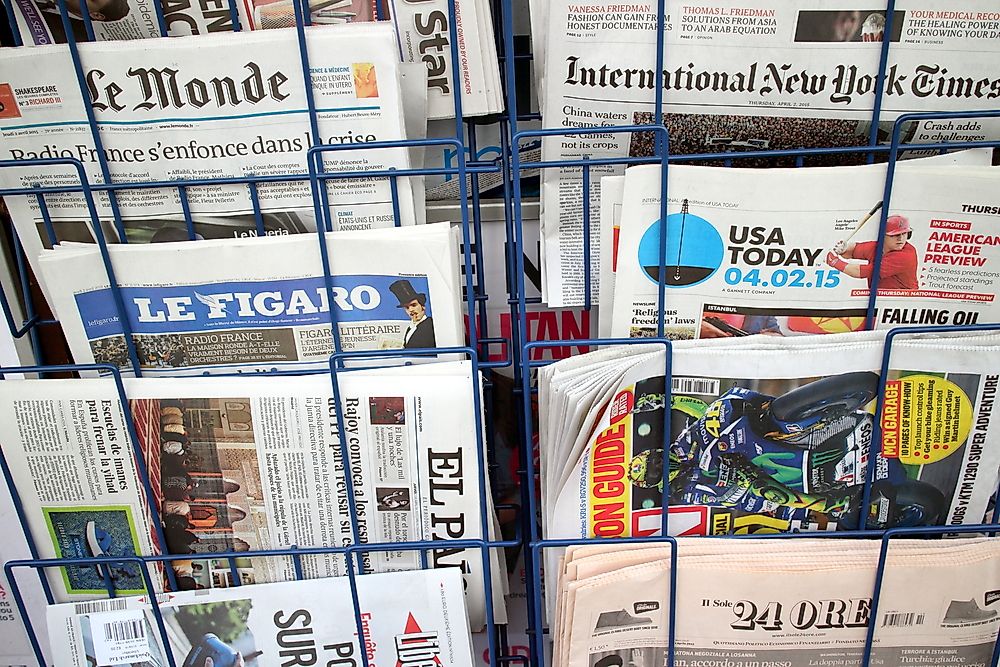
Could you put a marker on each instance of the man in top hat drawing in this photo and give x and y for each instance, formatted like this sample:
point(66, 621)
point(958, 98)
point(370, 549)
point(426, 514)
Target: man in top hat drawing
point(420, 331)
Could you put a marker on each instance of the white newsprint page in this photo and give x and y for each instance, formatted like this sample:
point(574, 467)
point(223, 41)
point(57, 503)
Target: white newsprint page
point(774, 75)
point(206, 107)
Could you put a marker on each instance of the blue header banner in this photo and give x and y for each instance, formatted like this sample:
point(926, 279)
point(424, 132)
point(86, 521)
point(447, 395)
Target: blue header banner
point(264, 304)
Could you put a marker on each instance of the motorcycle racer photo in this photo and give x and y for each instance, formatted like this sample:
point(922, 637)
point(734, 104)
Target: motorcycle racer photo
point(801, 457)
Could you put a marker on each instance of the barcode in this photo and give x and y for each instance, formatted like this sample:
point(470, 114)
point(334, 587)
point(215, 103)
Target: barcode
point(695, 386)
point(120, 631)
point(99, 606)
point(898, 619)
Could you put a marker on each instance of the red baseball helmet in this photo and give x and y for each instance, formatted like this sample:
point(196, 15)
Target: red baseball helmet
point(896, 224)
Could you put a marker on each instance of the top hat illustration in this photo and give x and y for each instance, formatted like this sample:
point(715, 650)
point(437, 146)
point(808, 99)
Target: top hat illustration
point(405, 293)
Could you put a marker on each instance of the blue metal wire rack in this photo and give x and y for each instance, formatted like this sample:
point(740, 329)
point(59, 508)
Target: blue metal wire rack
point(517, 352)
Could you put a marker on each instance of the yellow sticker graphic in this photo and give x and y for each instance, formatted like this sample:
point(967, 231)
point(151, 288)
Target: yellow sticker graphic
point(925, 419)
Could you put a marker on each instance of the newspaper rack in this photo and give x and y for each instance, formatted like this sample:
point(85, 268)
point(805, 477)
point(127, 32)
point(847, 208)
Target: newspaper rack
point(517, 353)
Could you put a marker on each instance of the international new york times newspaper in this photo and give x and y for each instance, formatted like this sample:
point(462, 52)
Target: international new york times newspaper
point(746, 254)
point(259, 303)
point(796, 604)
point(242, 464)
point(736, 78)
point(212, 106)
point(408, 618)
point(775, 436)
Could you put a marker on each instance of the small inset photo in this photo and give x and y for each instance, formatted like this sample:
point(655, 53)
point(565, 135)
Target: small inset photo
point(387, 410)
point(392, 498)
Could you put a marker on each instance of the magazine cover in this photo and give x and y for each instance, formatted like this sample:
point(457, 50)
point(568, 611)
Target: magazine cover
point(291, 623)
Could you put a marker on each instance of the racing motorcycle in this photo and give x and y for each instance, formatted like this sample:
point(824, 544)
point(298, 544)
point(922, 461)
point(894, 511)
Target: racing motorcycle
point(801, 457)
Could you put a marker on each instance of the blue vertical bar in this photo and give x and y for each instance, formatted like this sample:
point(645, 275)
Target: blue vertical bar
point(186, 210)
point(258, 217)
point(50, 231)
point(394, 193)
point(586, 235)
point(234, 16)
point(12, 22)
point(880, 78)
point(22, 609)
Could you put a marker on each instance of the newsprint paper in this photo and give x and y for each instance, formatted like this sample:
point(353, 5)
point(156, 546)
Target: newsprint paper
point(408, 619)
point(259, 303)
point(773, 435)
point(788, 603)
point(776, 75)
point(213, 106)
point(250, 463)
point(741, 260)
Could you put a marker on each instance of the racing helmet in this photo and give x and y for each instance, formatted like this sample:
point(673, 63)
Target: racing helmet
point(897, 224)
point(645, 470)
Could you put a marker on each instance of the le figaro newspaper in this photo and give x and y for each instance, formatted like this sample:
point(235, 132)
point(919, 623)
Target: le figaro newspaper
point(792, 251)
point(777, 436)
point(774, 75)
point(290, 623)
point(259, 303)
point(241, 464)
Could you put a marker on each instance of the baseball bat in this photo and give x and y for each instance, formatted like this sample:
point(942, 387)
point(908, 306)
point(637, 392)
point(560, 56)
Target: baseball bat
point(864, 220)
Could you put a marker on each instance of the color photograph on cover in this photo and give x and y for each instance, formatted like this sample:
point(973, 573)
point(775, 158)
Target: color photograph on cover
point(202, 461)
point(85, 532)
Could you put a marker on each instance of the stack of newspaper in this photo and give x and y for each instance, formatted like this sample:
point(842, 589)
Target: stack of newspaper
point(258, 303)
point(769, 434)
point(778, 602)
point(293, 623)
point(250, 463)
point(792, 251)
point(775, 75)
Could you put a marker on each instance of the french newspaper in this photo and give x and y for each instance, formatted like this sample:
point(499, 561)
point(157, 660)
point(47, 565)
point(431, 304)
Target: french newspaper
point(736, 77)
point(740, 260)
point(775, 437)
point(252, 463)
point(408, 618)
point(794, 603)
point(259, 303)
point(206, 107)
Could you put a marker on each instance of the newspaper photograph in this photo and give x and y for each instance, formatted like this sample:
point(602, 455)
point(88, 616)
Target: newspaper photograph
point(786, 445)
point(193, 111)
point(274, 624)
point(800, 604)
point(40, 22)
point(210, 310)
point(736, 79)
point(740, 260)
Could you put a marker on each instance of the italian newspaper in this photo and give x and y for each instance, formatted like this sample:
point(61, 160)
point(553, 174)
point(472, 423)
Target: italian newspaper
point(259, 303)
point(794, 604)
point(408, 618)
point(244, 464)
point(776, 435)
point(736, 77)
point(190, 108)
point(740, 260)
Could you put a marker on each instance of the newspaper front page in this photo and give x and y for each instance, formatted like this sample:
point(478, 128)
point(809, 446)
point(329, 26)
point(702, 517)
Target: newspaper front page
point(779, 438)
point(409, 618)
point(741, 260)
point(737, 78)
point(259, 303)
point(245, 464)
point(795, 605)
point(213, 106)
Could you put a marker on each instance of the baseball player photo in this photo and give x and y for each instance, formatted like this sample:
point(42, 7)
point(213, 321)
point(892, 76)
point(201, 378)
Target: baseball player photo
point(898, 268)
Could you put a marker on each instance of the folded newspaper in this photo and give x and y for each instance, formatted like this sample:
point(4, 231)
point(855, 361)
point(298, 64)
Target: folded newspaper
point(186, 108)
point(259, 303)
point(776, 75)
point(408, 618)
point(769, 434)
point(739, 260)
point(251, 463)
point(797, 603)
